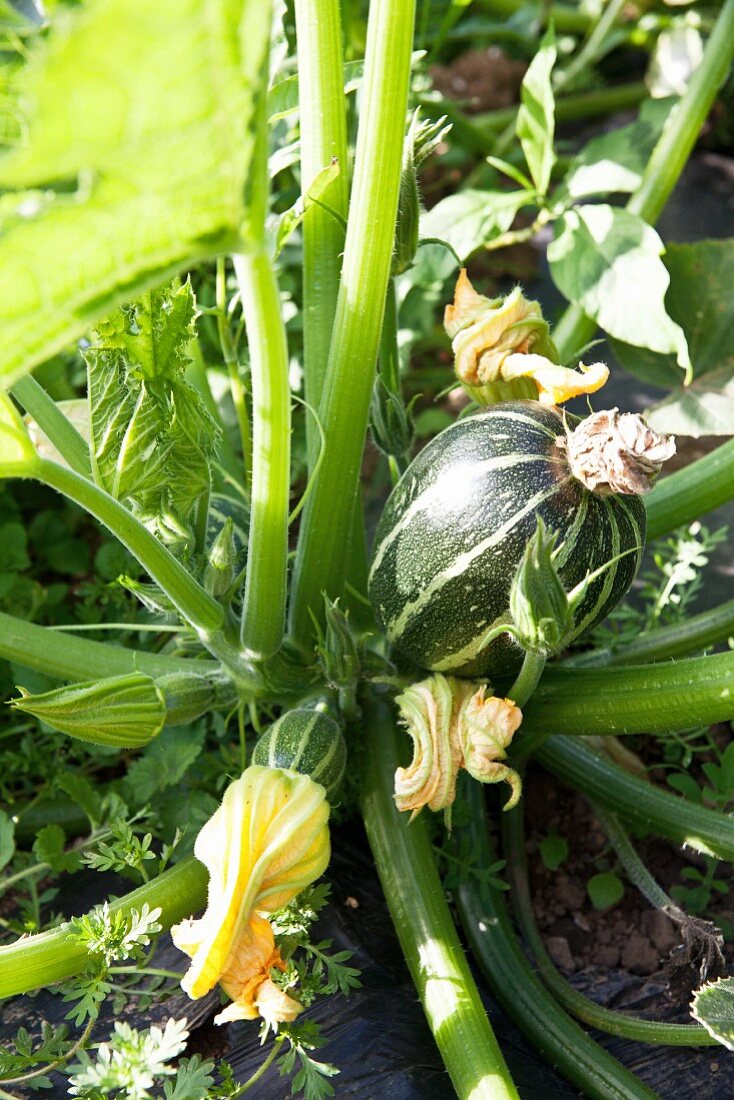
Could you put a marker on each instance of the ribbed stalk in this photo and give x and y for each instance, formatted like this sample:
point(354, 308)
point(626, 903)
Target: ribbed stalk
point(263, 610)
point(689, 636)
point(36, 961)
point(322, 553)
point(323, 130)
point(404, 860)
point(634, 699)
point(52, 422)
point(636, 801)
point(668, 159)
point(195, 605)
point(69, 657)
point(692, 492)
point(605, 1019)
point(498, 952)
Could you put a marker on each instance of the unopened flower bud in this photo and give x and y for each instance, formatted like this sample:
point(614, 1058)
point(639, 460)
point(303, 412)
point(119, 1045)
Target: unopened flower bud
point(221, 563)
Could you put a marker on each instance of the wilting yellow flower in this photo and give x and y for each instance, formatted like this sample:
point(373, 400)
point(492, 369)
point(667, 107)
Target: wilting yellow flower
point(426, 710)
point(555, 383)
point(247, 979)
point(486, 728)
point(453, 726)
point(502, 340)
point(266, 842)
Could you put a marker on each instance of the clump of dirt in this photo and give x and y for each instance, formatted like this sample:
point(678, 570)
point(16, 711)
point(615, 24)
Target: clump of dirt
point(484, 80)
point(630, 935)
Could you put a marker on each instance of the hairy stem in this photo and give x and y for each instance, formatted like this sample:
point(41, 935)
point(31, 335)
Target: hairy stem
point(35, 961)
point(691, 492)
point(422, 920)
point(689, 636)
point(263, 611)
point(637, 801)
point(323, 131)
point(54, 425)
point(322, 554)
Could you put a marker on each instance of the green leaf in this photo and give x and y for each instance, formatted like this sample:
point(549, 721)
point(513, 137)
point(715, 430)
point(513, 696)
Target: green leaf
point(614, 162)
point(82, 793)
point(699, 299)
point(13, 543)
point(165, 761)
point(152, 436)
point(7, 839)
point(471, 219)
point(140, 135)
point(607, 261)
point(288, 222)
point(605, 889)
point(536, 118)
point(553, 851)
point(193, 1080)
point(713, 1006)
point(48, 847)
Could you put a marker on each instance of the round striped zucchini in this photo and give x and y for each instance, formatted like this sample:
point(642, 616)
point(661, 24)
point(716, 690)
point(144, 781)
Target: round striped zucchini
point(305, 741)
point(455, 527)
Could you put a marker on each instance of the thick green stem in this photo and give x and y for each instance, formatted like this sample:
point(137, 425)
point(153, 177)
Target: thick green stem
point(527, 679)
point(263, 611)
point(667, 161)
point(321, 559)
point(231, 362)
point(691, 492)
point(635, 800)
point(498, 952)
point(194, 604)
point(587, 53)
point(422, 920)
point(689, 636)
point(36, 961)
point(605, 1019)
point(634, 699)
point(54, 425)
point(323, 127)
point(69, 657)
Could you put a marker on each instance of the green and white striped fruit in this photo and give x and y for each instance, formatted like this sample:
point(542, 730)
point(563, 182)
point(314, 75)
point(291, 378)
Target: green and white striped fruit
point(305, 741)
point(455, 528)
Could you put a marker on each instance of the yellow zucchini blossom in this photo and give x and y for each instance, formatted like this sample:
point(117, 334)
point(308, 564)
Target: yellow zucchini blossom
point(267, 841)
point(502, 340)
point(452, 726)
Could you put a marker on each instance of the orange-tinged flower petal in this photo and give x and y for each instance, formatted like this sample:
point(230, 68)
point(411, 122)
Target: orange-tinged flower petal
point(555, 383)
point(431, 778)
point(486, 728)
point(266, 842)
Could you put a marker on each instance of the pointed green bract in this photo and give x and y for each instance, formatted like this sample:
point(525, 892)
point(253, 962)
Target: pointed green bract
point(124, 711)
point(145, 110)
point(18, 457)
point(152, 437)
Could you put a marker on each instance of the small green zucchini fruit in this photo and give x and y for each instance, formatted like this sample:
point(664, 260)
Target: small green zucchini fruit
point(306, 741)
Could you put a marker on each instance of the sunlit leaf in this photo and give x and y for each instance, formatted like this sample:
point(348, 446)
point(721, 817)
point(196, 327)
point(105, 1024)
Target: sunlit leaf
point(713, 1006)
point(139, 122)
point(536, 118)
point(700, 300)
point(471, 219)
point(608, 261)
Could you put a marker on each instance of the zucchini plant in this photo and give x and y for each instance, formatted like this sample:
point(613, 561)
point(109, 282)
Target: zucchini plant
point(211, 235)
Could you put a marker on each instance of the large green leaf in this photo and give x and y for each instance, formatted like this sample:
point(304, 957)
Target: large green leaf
point(536, 117)
point(608, 261)
point(470, 219)
point(139, 121)
point(616, 160)
point(700, 300)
